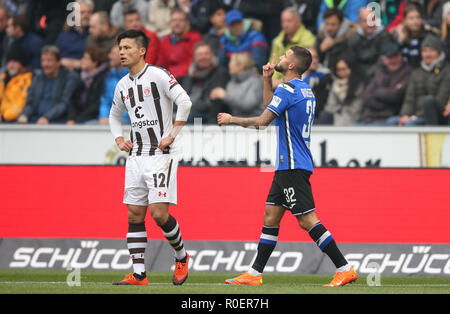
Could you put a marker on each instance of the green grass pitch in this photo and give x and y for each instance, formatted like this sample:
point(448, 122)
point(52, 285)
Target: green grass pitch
point(99, 282)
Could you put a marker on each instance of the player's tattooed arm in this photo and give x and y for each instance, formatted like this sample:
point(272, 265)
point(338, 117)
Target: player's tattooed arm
point(258, 122)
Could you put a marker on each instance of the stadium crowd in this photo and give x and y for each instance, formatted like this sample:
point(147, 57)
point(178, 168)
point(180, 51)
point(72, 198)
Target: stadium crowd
point(380, 63)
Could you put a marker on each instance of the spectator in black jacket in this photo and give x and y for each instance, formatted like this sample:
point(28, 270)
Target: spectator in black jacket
point(203, 76)
point(367, 43)
point(85, 101)
point(384, 96)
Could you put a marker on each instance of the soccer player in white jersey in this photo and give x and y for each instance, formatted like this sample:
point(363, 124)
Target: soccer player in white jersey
point(148, 93)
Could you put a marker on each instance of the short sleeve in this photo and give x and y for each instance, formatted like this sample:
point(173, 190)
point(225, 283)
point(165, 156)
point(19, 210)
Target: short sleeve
point(281, 99)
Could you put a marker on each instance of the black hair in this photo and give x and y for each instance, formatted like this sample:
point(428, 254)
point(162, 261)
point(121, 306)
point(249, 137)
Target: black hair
point(330, 12)
point(304, 59)
point(216, 6)
point(138, 35)
point(130, 11)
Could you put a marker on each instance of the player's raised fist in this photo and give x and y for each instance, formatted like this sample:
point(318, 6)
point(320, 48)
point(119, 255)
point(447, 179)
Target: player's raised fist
point(269, 68)
point(223, 118)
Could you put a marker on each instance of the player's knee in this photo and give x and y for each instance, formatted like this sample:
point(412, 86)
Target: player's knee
point(134, 219)
point(270, 219)
point(160, 217)
point(307, 221)
point(303, 224)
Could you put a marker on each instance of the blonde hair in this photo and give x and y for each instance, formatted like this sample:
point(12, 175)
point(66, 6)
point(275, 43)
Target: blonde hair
point(243, 59)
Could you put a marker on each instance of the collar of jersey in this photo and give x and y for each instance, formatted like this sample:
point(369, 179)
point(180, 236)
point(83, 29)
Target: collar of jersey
point(138, 75)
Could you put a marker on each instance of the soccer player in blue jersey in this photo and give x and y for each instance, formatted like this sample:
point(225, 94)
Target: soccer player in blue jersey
point(292, 106)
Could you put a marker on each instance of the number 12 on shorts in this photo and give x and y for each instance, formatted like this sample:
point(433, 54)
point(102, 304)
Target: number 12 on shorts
point(161, 178)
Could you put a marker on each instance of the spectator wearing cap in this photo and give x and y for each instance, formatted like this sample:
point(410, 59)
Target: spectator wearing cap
point(240, 36)
point(384, 95)
point(178, 47)
point(14, 85)
point(428, 88)
point(50, 91)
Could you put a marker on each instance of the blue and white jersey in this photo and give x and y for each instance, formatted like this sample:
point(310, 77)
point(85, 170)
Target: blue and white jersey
point(294, 105)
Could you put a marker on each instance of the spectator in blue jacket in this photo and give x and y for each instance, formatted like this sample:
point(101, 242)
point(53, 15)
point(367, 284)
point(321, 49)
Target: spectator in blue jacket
point(350, 8)
point(28, 40)
point(50, 91)
point(242, 37)
point(116, 72)
point(71, 41)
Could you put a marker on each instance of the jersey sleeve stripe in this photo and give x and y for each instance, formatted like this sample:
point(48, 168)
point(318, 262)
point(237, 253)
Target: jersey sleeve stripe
point(273, 110)
point(173, 85)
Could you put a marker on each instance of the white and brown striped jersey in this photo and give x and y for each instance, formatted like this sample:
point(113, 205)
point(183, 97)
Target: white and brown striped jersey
point(149, 97)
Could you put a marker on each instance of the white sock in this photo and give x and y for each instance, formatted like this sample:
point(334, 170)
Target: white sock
point(180, 254)
point(343, 269)
point(253, 272)
point(139, 268)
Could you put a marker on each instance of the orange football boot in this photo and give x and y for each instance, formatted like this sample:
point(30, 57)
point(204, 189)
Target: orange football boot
point(131, 280)
point(245, 279)
point(341, 279)
point(181, 271)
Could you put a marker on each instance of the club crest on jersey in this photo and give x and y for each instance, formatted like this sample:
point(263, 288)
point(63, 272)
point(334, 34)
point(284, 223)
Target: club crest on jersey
point(147, 91)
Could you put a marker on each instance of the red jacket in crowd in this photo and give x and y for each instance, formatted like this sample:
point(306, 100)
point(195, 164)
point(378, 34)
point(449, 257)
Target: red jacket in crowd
point(153, 49)
point(176, 55)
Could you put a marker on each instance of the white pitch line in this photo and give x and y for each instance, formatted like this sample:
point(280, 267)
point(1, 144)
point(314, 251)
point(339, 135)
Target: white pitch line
point(212, 284)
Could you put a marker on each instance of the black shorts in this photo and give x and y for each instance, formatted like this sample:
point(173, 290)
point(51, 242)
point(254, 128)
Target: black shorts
point(292, 190)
